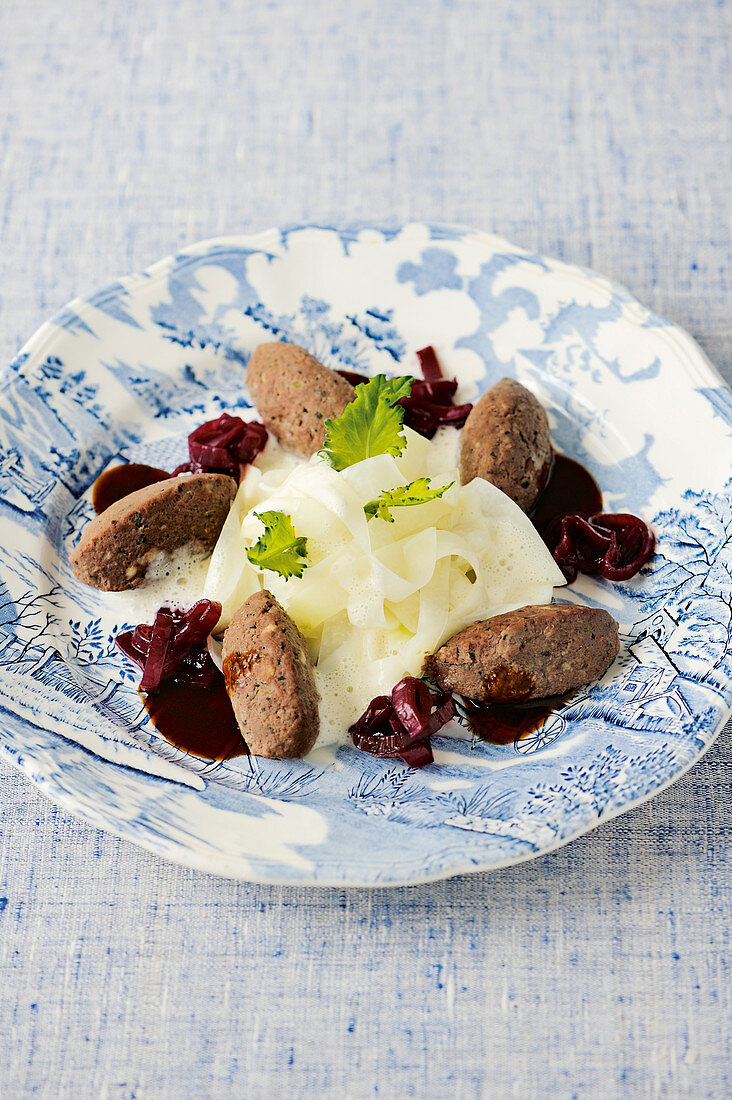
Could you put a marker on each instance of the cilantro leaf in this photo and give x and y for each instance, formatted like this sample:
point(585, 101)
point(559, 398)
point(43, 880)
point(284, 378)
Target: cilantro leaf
point(280, 548)
point(404, 496)
point(369, 425)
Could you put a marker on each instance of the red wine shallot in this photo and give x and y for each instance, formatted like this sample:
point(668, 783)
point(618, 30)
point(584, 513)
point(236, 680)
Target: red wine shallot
point(174, 646)
point(614, 546)
point(223, 446)
point(429, 404)
point(402, 724)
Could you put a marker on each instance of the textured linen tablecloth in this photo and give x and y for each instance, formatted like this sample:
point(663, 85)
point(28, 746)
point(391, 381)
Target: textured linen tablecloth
point(596, 132)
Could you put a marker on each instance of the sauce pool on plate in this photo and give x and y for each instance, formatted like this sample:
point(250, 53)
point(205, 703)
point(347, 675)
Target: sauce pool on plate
point(569, 488)
point(197, 720)
point(506, 723)
point(120, 481)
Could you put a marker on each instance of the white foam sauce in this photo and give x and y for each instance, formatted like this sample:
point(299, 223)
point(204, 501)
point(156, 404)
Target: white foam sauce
point(377, 597)
point(176, 578)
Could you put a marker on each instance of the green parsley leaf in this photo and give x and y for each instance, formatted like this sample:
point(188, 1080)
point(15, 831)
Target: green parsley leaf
point(404, 496)
point(280, 548)
point(369, 425)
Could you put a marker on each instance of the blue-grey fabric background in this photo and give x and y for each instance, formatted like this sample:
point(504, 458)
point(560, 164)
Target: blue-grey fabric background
point(596, 132)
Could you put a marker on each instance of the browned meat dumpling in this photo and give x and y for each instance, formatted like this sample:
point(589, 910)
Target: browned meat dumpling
point(295, 394)
point(270, 680)
point(506, 441)
point(531, 653)
point(117, 547)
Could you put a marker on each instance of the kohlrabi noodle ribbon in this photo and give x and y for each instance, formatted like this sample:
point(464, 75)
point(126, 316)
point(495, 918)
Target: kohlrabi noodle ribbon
point(377, 597)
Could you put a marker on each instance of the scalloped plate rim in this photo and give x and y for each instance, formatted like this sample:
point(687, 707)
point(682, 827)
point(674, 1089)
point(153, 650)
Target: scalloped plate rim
point(60, 798)
point(698, 366)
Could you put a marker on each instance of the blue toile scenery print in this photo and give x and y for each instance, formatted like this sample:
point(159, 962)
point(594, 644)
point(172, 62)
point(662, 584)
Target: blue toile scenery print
point(125, 374)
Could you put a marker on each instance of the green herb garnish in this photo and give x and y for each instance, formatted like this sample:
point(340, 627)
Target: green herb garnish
point(280, 548)
point(369, 425)
point(404, 496)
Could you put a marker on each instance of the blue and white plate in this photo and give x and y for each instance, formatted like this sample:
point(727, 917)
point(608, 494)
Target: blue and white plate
point(127, 372)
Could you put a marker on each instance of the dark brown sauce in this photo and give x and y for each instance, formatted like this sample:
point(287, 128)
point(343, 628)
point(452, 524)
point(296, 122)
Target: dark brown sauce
point(504, 723)
point(120, 481)
point(197, 720)
point(569, 488)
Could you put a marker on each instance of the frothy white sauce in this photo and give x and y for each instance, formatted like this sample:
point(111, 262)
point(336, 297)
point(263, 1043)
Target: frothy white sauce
point(177, 578)
point(377, 597)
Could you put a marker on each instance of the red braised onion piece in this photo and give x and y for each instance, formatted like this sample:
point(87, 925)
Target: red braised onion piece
point(223, 446)
point(127, 644)
point(428, 413)
point(376, 715)
point(162, 635)
point(252, 442)
point(174, 646)
point(401, 725)
point(444, 713)
point(421, 421)
point(441, 388)
point(418, 755)
point(632, 544)
point(222, 431)
point(613, 545)
point(209, 457)
point(411, 700)
point(383, 745)
point(194, 625)
point(453, 414)
point(429, 404)
point(197, 668)
point(430, 364)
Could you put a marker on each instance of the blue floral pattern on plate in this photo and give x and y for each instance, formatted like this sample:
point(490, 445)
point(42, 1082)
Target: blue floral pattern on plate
point(128, 371)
